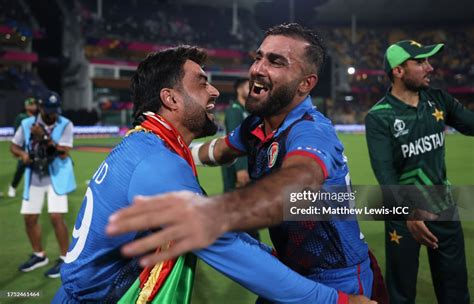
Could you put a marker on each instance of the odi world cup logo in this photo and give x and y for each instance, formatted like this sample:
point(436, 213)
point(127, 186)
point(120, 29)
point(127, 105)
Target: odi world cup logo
point(399, 128)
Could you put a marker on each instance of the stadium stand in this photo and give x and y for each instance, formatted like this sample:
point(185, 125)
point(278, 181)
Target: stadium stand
point(454, 67)
point(169, 23)
point(118, 36)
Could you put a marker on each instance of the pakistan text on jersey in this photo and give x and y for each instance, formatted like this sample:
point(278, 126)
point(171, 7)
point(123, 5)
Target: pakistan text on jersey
point(423, 144)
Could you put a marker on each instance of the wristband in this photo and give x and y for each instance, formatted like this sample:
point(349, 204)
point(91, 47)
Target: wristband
point(195, 154)
point(211, 151)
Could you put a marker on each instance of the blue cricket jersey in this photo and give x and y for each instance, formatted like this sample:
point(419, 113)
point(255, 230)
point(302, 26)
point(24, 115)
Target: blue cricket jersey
point(95, 271)
point(311, 248)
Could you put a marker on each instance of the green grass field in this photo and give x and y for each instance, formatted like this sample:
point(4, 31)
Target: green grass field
point(210, 286)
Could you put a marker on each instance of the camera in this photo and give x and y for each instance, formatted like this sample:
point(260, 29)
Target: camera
point(41, 155)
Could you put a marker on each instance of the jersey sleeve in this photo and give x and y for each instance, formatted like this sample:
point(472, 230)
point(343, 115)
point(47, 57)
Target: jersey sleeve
point(67, 138)
point(248, 262)
point(305, 140)
point(380, 149)
point(458, 116)
point(160, 173)
point(233, 140)
point(19, 137)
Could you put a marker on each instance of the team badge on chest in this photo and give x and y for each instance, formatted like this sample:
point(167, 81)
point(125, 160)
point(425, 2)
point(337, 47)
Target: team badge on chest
point(272, 154)
point(438, 115)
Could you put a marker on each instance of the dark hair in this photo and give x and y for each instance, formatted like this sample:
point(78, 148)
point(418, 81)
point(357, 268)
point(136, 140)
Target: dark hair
point(238, 82)
point(160, 70)
point(390, 75)
point(315, 52)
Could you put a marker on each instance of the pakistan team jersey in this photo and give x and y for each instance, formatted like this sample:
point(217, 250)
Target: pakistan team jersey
point(309, 248)
point(95, 271)
point(406, 143)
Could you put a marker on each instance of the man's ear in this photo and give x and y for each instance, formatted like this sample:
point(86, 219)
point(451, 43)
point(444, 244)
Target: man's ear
point(167, 99)
point(398, 71)
point(308, 83)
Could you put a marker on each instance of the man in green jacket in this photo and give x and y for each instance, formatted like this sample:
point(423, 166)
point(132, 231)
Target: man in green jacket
point(31, 109)
point(236, 175)
point(405, 137)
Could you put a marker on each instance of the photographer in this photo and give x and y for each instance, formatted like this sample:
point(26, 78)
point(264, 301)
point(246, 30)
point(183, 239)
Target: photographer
point(47, 139)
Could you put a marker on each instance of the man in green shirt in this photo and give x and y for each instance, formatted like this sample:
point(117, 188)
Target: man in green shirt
point(31, 108)
point(405, 137)
point(236, 175)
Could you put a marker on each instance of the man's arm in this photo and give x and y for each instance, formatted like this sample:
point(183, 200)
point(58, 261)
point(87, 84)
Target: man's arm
point(236, 255)
point(249, 263)
point(380, 150)
point(245, 261)
point(195, 222)
point(458, 116)
point(220, 150)
point(20, 153)
point(16, 147)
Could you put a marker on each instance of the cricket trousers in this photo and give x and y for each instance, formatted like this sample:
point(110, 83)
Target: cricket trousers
point(447, 262)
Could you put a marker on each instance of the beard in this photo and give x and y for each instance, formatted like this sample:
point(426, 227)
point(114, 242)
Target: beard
point(196, 119)
point(413, 85)
point(274, 103)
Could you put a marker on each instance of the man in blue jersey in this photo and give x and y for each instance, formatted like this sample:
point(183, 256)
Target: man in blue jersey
point(291, 147)
point(172, 105)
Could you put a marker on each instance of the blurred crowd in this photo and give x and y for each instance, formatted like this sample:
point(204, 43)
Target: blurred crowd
point(28, 82)
point(15, 16)
point(169, 23)
point(370, 44)
point(453, 67)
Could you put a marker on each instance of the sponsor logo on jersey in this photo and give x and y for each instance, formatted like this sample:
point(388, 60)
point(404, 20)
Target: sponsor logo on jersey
point(272, 154)
point(399, 128)
point(423, 145)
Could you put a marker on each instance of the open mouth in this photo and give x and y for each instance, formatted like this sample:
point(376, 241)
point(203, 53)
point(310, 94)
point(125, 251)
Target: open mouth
point(210, 107)
point(210, 110)
point(259, 88)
